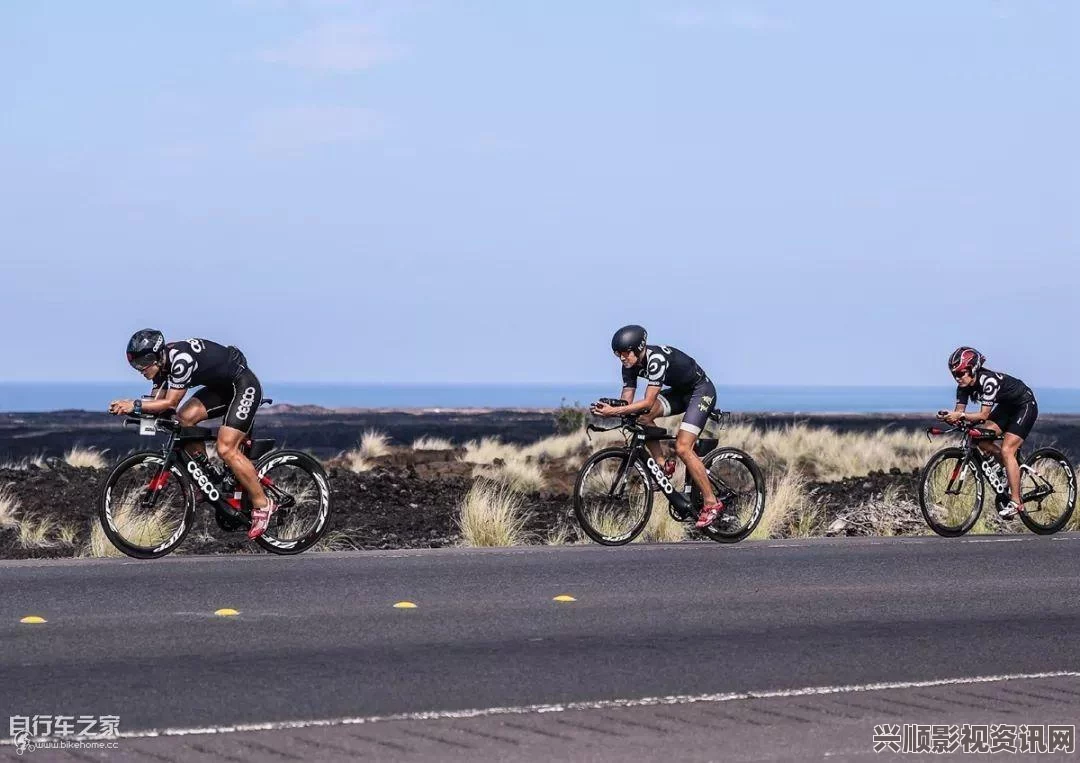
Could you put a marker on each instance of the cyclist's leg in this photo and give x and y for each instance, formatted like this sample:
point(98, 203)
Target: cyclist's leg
point(996, 424)
point(198, 408)
point(239, 419)
point(1017, 428)
point(668, 403)
point(700, 405)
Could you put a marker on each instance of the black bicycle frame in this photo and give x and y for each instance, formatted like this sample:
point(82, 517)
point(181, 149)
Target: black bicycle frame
point(636, 449)
point(998, 481)
point(174, 452)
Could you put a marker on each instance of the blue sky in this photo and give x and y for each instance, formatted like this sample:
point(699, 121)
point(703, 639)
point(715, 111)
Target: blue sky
point(799, 193)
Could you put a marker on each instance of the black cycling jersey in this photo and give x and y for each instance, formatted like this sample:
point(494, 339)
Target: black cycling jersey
point(199, 362)
point(993, 388)
point(663, 365)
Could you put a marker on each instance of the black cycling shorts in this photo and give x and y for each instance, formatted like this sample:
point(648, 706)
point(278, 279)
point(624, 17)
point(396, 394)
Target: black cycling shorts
point(698, 403)
point(237, 403)
point(1016, 419)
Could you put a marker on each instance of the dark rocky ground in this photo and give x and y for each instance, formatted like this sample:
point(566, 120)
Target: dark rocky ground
point(407, 501)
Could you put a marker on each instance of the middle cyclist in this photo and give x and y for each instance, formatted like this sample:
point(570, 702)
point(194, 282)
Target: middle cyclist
point(690, 391)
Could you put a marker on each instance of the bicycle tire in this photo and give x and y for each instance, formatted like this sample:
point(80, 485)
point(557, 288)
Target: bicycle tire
point(929, 473)
point(1030, 517)
point(589, 522)
point(305, 463)
point(720, 531)
point(114, 523)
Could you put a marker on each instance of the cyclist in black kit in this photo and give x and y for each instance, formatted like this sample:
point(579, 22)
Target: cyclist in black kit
point(229, 389)
point(1008, 406)
point(689, 391)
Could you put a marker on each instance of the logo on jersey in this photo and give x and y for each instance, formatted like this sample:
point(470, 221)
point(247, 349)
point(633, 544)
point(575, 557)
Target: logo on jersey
point(196, 345)
point(181, 367)
point(246, 401)
point(990, 389)
point(657, 368)
point(706, 401)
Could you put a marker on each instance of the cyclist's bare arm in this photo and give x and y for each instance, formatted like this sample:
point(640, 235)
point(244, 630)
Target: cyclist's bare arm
point(170, 400)
point(644, 404)
point(978, 417)
point(632, 408)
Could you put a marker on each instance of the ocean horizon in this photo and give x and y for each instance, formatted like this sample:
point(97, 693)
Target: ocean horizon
point(24, 397)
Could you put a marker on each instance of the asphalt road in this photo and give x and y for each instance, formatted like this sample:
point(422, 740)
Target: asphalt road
point(318, 638)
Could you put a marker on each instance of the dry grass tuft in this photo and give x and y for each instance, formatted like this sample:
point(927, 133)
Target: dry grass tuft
point(787, 499)
point(558, 446)
point(432, 443)
point(37, 460)
point(35, 532)
point(9, 507)
point(372, 445)
point(67, 535)
point(85, 458)
point(560, 535)
point(357, 463)
point(491, 514)
point(488, 449)
point(518, 475)
point(335, 540)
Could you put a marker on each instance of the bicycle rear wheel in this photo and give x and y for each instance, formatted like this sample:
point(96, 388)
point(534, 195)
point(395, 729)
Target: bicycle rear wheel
point(1048, 487)
point(950, 493)
point(612, 502)
point(144, 512)
point(297, 483)
point(737, 481)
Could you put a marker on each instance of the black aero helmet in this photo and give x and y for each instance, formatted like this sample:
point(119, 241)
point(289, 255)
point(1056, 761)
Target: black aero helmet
point(143, 348)
point(631, 337)
point(966, 359)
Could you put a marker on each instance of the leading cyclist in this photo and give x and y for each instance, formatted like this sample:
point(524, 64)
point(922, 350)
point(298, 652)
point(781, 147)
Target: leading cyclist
point(229, 389)
point(689, 390)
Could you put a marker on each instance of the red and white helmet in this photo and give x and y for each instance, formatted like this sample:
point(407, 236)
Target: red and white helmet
point(966, 359)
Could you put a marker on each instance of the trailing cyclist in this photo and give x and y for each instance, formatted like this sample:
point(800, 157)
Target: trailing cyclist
point(1008, 407)
point(688, 391)
point(229, 389)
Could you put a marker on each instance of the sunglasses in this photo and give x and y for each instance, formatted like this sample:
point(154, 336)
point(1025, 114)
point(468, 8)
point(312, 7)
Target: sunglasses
point(142, 363)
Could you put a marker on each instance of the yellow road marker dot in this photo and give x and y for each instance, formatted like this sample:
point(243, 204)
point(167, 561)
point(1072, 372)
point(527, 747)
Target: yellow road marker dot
point(33, 620)
point(226, 612)
point(564, 597)
point(404, 605)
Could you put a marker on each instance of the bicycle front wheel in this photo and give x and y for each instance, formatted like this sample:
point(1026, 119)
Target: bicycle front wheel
point(612, 500)
point(1048, 487)
point(297, 483)
point(950, 492)
point(737, 482)
point(144, 510)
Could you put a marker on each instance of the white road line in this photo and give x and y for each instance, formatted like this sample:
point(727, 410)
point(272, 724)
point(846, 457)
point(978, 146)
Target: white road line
point(993, 540)
point(678, 699)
